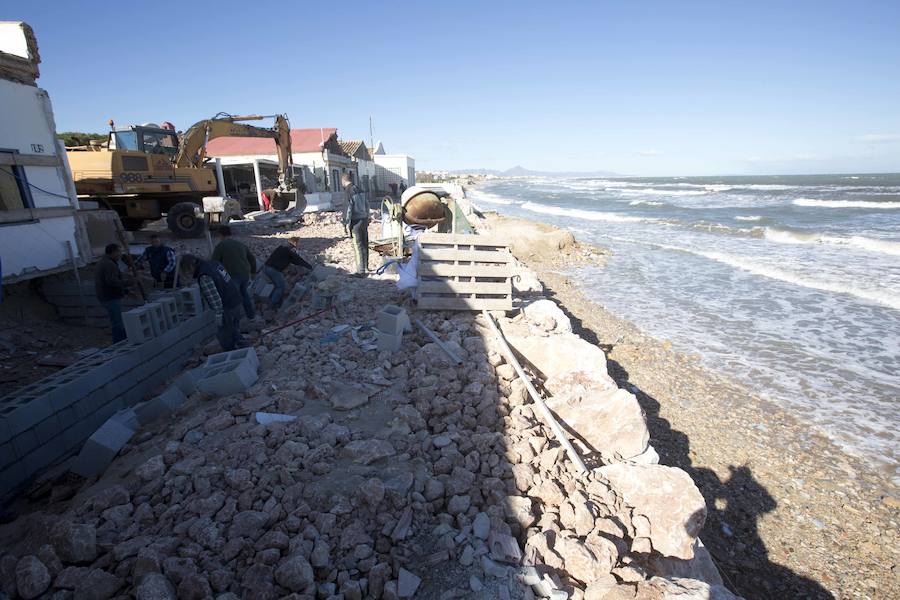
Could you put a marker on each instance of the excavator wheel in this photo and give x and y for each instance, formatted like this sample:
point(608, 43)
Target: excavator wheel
point(183, 220)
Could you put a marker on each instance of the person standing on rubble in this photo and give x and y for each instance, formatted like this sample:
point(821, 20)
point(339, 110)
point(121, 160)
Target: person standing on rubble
point(240, 264)
point(356, 222)
point(221, 293)
point(274, 268)
point(111, 286)
point(161, 260)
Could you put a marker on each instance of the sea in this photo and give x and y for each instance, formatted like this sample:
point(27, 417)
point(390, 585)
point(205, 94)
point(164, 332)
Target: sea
point(788, 284)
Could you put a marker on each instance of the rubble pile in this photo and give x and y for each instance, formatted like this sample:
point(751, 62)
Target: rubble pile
point(403, 475)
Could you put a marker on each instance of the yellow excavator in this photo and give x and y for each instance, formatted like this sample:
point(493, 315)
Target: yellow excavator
point(145, 171)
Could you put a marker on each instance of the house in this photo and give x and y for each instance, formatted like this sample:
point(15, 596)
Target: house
point(316, 149)
point(40, 230)
point(393, 168)
point(365, 166)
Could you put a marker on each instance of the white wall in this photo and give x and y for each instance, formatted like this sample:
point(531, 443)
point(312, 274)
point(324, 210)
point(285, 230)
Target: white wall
point(393, 168)
point(36, 242)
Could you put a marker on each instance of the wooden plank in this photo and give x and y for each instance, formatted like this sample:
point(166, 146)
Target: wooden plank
point(464, 287)
point(431, 303)
point(462, 239)
point(427, 269)
point(465, 255)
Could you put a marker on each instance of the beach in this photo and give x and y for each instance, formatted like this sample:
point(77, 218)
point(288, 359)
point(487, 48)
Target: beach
point(791, 515)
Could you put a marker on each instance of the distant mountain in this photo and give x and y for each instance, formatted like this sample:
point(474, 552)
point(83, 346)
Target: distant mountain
point(520, 171)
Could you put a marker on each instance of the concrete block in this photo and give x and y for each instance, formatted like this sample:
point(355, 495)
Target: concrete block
point(321, 301)
point(157, 317)
point(25, 442)
point(75, 436)
point(388, 342)
point(248, 353)
point(170, 310)
point(24, 412)
point(127, 417)
point(322, 272)
point(43, 456)
point(297, 294)
point(149, 411)
point(187, 381)
point(101, 448)
point(48, 429)
point(5, 432)
point(91, 404)
point(172, 398)
point(393, 320)
point(189, 301)
point(139, 325)
point(228, 378)
point(7, 454)
point(11, 477)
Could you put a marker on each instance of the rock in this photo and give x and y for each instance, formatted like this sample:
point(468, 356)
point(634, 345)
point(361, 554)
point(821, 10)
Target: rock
point(434, 489)
point(587, 560)
point(407, 583)
point(378, 578)
point(369, 451)
point(556, 355)
point(8, 575)
point(32, 577)
point(258, 583)
point(475, 584)
point(668, 498)
point(547, 315)
point(526, 281)
point(321, 554)
point(440, 441)
point(219, 422)
point(520, 509)
point(194, 587)
point(347, 397)
point(701, 567)
point(295, 573)
point(248, 523)
point(504, 548)
point(467, 556)
point(610, 422)
point(98, 585)
point(458, 504)
point(597, 589)
point(679, 589)
point(372, 491)
point(47, 555)
point(75, 543)
point(481, 526)
point(154, 586)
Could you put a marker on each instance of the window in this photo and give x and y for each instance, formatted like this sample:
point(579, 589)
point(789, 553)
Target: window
point(159, 143)
point(126, 140)
point(13, 188)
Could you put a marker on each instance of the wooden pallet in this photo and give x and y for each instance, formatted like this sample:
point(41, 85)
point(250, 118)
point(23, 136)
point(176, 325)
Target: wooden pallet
point(464, 272)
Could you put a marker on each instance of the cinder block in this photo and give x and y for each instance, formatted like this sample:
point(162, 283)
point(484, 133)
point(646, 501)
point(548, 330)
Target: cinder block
point(43, 456)
point(91, 403)
point(7, 454)
point(25, 442)
point(388, 342)
point(321, 273)
point(297, 293)
point(75, 435)
point(393, 320)
point(151, 410)
point(187, 381)
point(321, 301)
point(127, 417)
point(24, 412)
point(48, 429)
point(11, 477)
point(170, 310)
point(139, 325)
point(157, 317)
point(248, 353)
point(172, 398)
point(101, 448)
point(228, 378)
point(189, 301)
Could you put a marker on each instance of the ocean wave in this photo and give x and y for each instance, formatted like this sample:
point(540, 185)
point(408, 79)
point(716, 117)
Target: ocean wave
point(748, 218)
point(646, 203)
point(589, 215)
point(889, 298)
point(491, 198)
point(782, 236)
point(658, 192)
point(845, 203)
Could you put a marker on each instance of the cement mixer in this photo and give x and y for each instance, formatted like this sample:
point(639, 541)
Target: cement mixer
point(418, 206)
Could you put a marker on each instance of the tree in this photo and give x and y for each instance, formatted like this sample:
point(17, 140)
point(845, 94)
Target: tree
point(78, 138)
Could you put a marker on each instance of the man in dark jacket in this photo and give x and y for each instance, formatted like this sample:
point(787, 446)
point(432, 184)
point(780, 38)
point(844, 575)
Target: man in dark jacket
point(356, 222)
point(240, 264)
point(277, 262)
point(222, 295)
point(161, 260)
point(111, 287)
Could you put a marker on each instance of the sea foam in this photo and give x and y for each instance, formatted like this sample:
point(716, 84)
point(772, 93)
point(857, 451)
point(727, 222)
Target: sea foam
point(845, 203)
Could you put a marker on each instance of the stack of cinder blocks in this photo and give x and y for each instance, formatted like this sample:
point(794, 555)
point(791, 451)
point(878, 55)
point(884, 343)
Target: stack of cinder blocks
point(390, 324)
point(229, 372)
point(50, 419)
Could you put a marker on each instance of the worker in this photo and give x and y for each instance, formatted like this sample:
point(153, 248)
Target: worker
point(221, 293)
point(402, 187)
point(275, 265)
point(161, 260)
point(111, 286)
point(240, 264)
point(356, 222)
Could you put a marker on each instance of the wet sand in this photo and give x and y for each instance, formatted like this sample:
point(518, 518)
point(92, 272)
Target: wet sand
point(790, 514)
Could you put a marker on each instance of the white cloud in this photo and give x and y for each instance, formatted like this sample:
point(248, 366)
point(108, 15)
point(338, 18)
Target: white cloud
point(879, 138)
point(650, 152)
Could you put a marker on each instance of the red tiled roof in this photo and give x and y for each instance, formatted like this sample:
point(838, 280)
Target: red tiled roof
point(302, 140)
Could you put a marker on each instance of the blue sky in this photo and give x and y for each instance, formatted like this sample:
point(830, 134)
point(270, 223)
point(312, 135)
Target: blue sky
point(647, 88)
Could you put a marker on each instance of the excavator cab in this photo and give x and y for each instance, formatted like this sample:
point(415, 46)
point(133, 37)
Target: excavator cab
point(146, 139)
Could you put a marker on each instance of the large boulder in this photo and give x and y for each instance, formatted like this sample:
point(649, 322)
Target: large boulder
point(659, 588)
point(667, 498)
point(546, 315)
point(608, 421)
point(701, 567)
point(558, 354)
point(32, 577)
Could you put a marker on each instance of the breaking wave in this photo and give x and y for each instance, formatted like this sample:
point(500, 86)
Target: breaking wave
point(748, 218)
point(492, 198)
point(844, 203)
point(589, 215)
point(782, 236)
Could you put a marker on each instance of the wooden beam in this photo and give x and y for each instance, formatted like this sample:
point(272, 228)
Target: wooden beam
point(465, 287)
point(437, 269)
point(462, 239)
point(431, 303)
point(449, 254)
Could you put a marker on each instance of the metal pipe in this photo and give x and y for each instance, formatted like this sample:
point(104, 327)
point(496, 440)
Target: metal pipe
point(545, 412)
point(258, 179)
point(439, 342)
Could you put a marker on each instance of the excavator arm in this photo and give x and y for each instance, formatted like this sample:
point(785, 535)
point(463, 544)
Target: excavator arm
point(192, 151)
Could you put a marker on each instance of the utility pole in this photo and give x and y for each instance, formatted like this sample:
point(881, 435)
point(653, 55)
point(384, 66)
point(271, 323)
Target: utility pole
point(371, 136)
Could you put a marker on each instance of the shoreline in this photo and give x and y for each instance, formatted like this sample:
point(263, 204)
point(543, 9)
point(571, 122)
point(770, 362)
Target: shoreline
point(788, 509)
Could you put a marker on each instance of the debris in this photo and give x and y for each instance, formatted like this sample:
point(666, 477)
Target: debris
point(407, 583)
point(347, 397)
point(439, 342)
point(264, 418)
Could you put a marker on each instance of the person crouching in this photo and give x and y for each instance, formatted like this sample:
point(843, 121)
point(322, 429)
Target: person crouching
point(222, 295)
